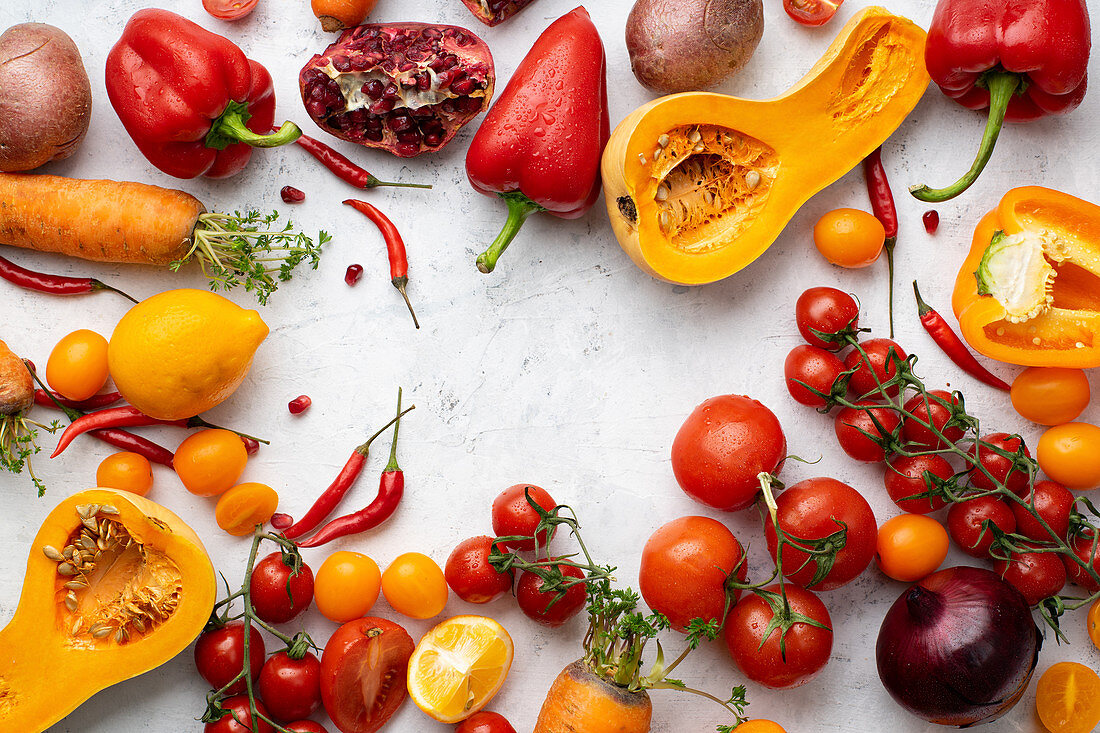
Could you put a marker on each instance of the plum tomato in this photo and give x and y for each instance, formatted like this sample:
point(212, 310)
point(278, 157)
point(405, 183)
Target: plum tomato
point(219, 655)
point(1037, 575)
point(1086, 548)
point(238, 706)
point(414, 586)
point(513, 515)
point(722, 447)
point(684, 568)
point(291, 687)
point(77, 367)
point(911, 546)
point(759, 725)
point(811, 12)
point(305, 726)
point(347, 586)
point(240, 509)
point(1070, 454)
point(1053, 502)
point(964, 523)
point(485, 722)
point(846, 237)
point(363, 671)
point(815, 509)
point(828, 311)
point(806, 646)
point(935, 410)
point(1092, 623)
point(278, 593)
point(813, 367)
point(905, 479)
point(877, 368)
point(229, 9)
point(470, 575)
point(210, 461)
point(126, 471)
point(850, 421)
point(1002, 468)
point(541, 606)
point(1050, 395)
point(1067, 698)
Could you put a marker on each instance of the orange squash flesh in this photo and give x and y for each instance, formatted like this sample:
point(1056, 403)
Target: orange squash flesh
point(763, 159)
point(49, 661)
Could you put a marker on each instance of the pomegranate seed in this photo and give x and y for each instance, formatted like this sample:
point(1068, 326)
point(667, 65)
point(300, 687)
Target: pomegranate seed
point(250, 445)
point(463, 87)
point(931, 221)
point(299, 404)
point(292, 195)
point(354, 273)
point(281, 521)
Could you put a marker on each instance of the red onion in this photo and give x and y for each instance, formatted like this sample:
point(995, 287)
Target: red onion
point(958, 648)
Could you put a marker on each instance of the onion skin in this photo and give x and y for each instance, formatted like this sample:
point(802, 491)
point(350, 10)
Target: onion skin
point(958, 648)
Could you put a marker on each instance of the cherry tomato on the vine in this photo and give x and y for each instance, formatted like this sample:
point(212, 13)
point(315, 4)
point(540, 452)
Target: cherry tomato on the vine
point(911, 546)
point(77, 367)
point(1087, 549)
point(346, 586)
point(278, 593)
point(238, 705)
point(812, 367)
point(414, 586)
point(964, 523)
point(305, 726)
point(1053, 502)
point(1050, 395)
point(513, 515)
point(363, 672)
point(471, 576)
point(828, 311)
point(846, 237)
point(229, 9)
point(811, 12)
point(291, 687)
point(219, 655)
point(126, 471)
point(1037, 575)
point(1070, 454)
point(878, 368)
point(1002, 468)
point(851, 423)
point(905, 480)
point(541, 606)
point(485, 722)
point(210, 461)
point(935, 410)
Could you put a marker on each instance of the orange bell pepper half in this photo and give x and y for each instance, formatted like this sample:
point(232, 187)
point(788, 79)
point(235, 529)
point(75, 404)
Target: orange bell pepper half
point(1029, 291)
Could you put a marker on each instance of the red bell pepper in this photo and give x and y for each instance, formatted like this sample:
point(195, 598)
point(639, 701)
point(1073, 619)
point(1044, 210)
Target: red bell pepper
point(189, 98)
point(1022, 59)
point(539, 147)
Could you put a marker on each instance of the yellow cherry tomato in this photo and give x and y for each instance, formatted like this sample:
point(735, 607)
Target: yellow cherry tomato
point(1092, 622)
point(346, 586)
point(210, 461)
point(1070, 454)
point(1067, 698)
point(1050, 395)
point(414, 586)
point(244, 506)
point(125, 471)
point(849, 237)
point(759, 725)
point(911, 546)
point(77, 367)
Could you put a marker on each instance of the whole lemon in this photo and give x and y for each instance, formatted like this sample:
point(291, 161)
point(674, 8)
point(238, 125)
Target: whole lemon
point(182, 352)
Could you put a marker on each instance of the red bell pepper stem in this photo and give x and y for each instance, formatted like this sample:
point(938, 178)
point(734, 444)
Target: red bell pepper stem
point(230, 128)
point(391, 487)
point(395, 247)
point(882, 204)
point(53, 284)
point(95, 402)
point(952, 345)
point(1001, 85)
point(344, 169)
point(519, 208)
point(330, 498)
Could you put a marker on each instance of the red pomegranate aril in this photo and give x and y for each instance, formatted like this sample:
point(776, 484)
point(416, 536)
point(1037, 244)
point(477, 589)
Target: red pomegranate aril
point(291, 195)
point(462, 87)
point(406, 150)
point(299, 404)
point(353, 274)
point(251, 445)
point(373, 89)
point(931, 219)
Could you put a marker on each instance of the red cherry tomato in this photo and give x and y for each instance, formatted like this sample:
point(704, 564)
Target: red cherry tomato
point(470, 575)
point(878, 368)
point(851, 421)
point(238, 705)
point(811, 12)
point(964, 523)
point(219, 656)
point(1000, 467)
point(1087, 549)
point(1037, 575)
point(806, 647)
point(722, 447)
point(305, 726)
point(363, 670)
point(291, 687)
point(229, 9)
point(828, 311)
point(540, 606)
point(514, 515)
point(817, 508)
point(815, 368)
point(1053, 502)
point(485, 722)
point(936, 411)
point(905, 479)
point(685, 566)
point(278, 593)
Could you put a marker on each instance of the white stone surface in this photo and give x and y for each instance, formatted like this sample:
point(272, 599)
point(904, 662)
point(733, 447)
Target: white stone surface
point(567, 367)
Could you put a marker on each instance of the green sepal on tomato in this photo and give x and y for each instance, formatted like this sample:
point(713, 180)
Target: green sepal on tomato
point(224, 718)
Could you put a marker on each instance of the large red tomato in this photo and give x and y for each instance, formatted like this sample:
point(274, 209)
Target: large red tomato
point(721, 448)
point(363, 670)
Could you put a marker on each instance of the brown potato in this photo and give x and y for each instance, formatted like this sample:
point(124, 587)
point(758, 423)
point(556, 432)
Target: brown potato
point(686, 45)
point(46, 102)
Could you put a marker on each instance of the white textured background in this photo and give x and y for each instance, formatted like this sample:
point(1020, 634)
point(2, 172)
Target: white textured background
point(567, 367)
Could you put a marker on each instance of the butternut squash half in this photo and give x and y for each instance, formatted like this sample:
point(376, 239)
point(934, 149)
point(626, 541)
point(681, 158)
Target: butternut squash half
point(698, 185)
point(115, 586)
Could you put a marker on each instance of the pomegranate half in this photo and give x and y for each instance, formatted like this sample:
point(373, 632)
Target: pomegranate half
point(492, 12)
point(402, 87)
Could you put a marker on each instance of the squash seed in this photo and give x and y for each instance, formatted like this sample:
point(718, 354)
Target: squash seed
point(76, 585)
point(101, 632)
point(663, 140)
point(121, 635)
point(90, 523)
point(663, 191)
point(664, 220)
point(699, 147)
point(76, 625)
point(51, 552)
point(108, 509)
point(66, 569)
point(695, 136)
point(752, 179)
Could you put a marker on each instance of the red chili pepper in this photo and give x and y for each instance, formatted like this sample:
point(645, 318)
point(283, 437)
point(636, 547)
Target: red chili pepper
point(399, 263)
point(135, 444)
point(190, 99)
point(344, 169)
point(95, 402)
point(539, 147)
point(391, 487)
point(330, 498)
point(53, 284)
point(1022, 59)
point(882, 204)
point(952, 345)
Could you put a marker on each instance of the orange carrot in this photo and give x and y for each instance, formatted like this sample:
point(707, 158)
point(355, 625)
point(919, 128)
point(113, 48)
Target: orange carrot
point(580, 701)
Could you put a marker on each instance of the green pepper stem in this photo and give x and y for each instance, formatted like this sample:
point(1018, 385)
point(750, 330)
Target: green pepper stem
point(230, 128)
point(519, 208)
point(1001, 85)
point(923, 308)
point(888, 245)
point(392, 465)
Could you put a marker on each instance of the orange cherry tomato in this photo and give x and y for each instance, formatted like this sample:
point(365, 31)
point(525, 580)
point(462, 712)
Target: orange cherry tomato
point(1070, 455)
point(1050, 395)
point(849, 237)
point(414, 586)
point(125, 471)
point(1067, 698)
point(210, 461)
point(759, 725)
point(244, 506)
point(1092, 623)
point(911, 546)
point(346, 586)
point(77, 367)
